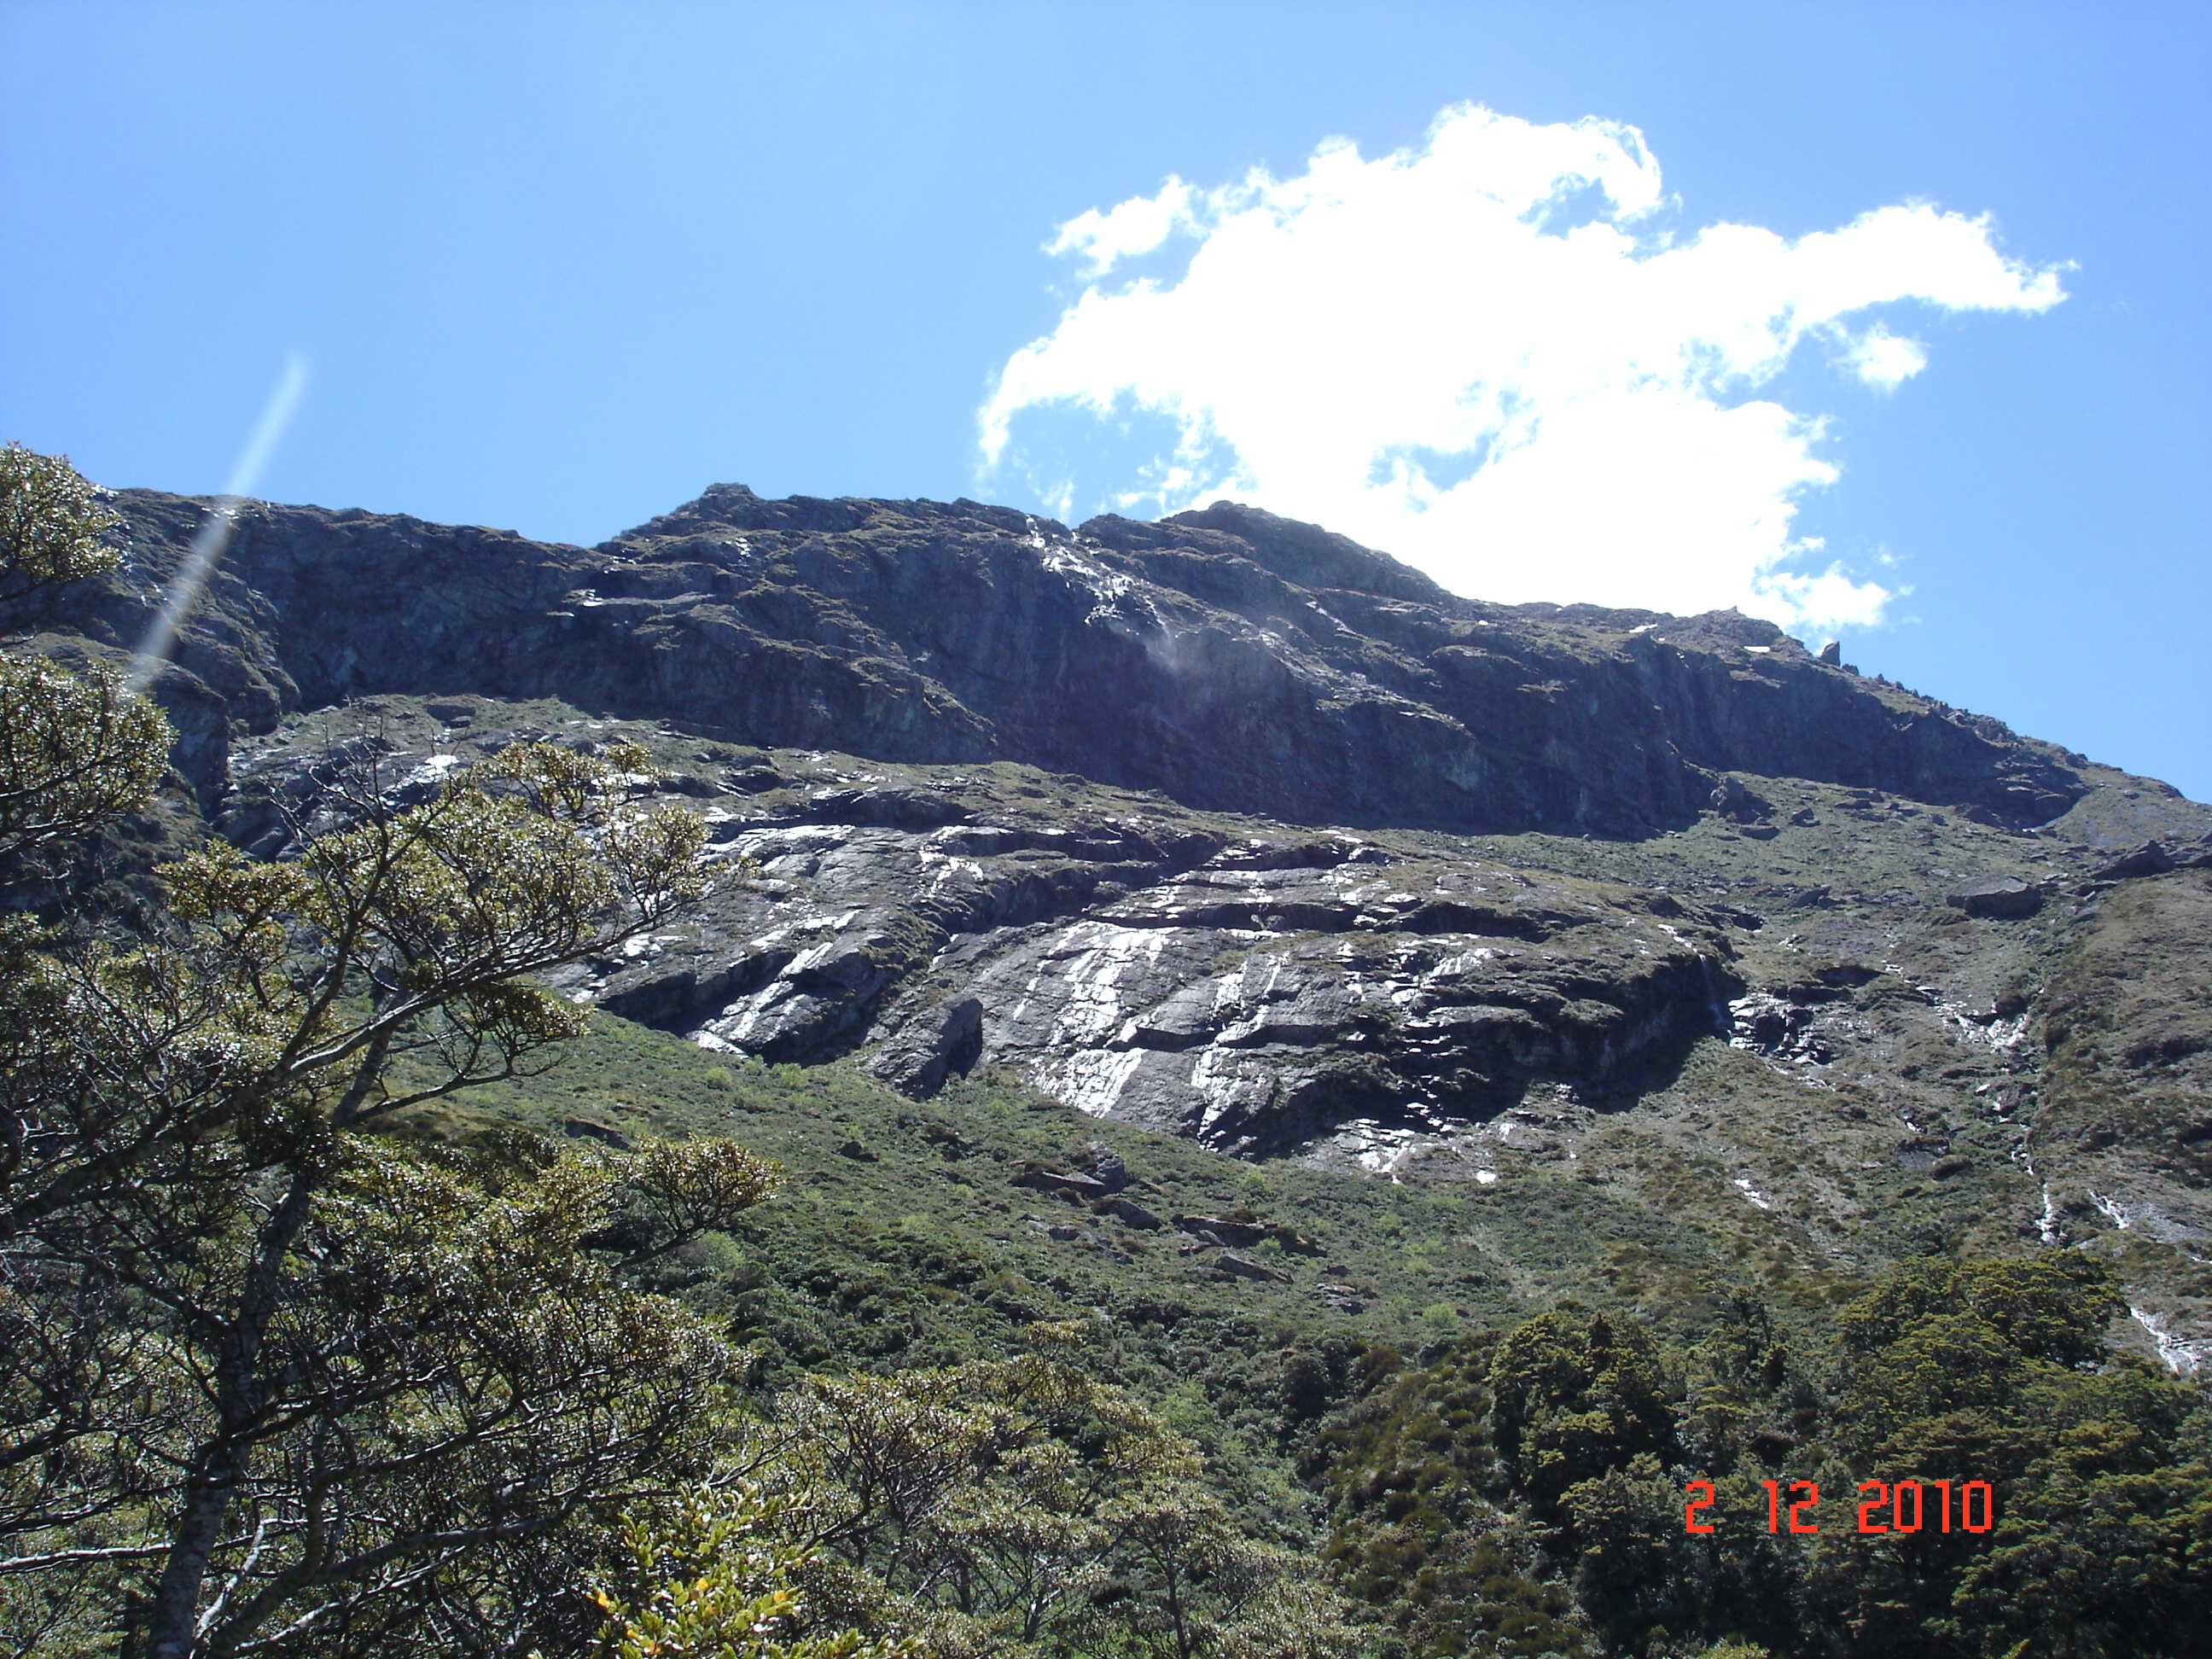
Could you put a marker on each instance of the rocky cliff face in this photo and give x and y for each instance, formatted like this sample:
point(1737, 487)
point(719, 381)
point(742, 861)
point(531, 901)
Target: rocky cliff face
point(1260, 988)
point(1229, 827)
point(1230, 660)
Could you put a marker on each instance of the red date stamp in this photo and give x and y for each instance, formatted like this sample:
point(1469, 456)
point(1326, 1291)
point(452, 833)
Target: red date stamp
point(1905, 1506)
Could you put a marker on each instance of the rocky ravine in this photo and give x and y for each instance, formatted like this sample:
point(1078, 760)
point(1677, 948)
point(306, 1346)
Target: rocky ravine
point(1230, 828)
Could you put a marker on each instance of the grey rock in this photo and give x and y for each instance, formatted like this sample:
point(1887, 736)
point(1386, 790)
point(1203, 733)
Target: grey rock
point(2006, 898)
point(1735, 800)
point(1778, 1027)
point(1243, 1267)
point(2151, 858)
point(1107, 1168)
point(1229, 659)
point(1254, 993)
point(958, 899)
point(1055, 1180)
point(1130, 1210)
point(1221, 1231)
point(583, 1129)
point(927, 1050)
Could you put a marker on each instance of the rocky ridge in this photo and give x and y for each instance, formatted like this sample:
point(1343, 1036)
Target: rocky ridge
point(1230, 660)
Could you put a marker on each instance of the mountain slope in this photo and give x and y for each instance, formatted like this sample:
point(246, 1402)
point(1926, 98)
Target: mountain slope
point(1228, 828)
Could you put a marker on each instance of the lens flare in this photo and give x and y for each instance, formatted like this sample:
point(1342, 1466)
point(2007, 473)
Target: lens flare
point(214, 534)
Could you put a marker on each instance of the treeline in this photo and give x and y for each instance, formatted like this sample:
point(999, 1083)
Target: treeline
point(1534, 1495)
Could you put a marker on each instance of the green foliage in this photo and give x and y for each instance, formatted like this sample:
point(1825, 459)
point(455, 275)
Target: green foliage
point(1576, 1395)
point(2055, 1307)
point(1420, 1534)
point(924, 1258)
point(722, 1575)
point(1627, 1527)
point(1983, 1370)
point(1979, 1369)
point(1747, 1392)
point(1027, 1507)
point(53, 524)
point(76, 750)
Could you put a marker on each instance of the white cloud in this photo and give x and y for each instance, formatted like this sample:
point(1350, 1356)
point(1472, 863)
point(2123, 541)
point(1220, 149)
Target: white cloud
point(1886, 361)
point(1136, 227)
point(1485, 355)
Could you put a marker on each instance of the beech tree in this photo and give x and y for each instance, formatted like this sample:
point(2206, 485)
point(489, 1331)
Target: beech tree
point(723, 1574)
point(53, 525)
point(77, 750)
point(1023, 1507)
point(1576, 1394)
point(270, 1380)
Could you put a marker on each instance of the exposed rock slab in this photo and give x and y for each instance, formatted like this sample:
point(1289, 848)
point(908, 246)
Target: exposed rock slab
point(2003, 896)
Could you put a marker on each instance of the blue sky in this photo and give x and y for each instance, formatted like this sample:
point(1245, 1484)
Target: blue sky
point(560, 269)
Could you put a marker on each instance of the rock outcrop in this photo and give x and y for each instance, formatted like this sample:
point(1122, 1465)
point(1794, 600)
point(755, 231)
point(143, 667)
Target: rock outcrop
point(2008, 897)
point(1230, 660)
point(1262, 989)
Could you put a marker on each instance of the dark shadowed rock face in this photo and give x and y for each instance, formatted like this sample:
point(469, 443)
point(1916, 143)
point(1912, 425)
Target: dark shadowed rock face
point(2007, 896)
point(1229, 659)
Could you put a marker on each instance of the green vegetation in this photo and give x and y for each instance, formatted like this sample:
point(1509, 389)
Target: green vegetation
point(1468, 1490)
point(1518, 1489)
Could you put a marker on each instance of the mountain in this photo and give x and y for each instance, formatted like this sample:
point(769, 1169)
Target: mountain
point(1226, 827)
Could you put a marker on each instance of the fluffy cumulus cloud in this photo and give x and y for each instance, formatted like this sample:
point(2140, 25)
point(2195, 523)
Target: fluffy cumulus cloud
point(1886, 361)
point(1492, 356)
